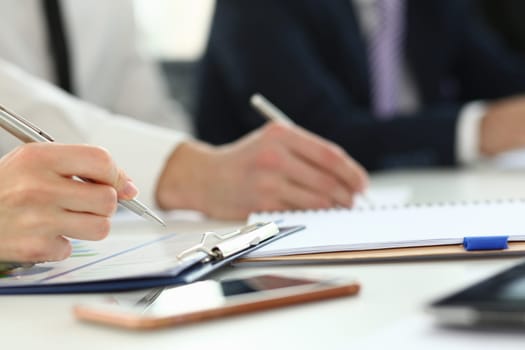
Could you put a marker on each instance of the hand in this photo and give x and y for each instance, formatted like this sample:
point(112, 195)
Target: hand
point(503, 126)
point(277, 167)
point(41, 204)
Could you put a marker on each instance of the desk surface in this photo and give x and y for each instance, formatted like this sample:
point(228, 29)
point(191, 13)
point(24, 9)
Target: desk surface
point(390, 292)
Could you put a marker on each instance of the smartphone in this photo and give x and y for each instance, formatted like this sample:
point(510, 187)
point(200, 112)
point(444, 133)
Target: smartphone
point(207, 300)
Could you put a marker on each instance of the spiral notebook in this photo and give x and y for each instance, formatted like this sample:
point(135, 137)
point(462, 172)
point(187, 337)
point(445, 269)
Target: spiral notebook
point(397, 231)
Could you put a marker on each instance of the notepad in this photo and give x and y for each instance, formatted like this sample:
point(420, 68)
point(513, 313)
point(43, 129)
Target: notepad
point(395, 226)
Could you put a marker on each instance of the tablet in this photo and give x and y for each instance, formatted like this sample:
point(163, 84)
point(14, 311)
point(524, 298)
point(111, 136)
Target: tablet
point(496, 301)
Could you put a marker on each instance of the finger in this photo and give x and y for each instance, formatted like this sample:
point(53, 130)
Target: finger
point(327, 156)
point(84, 226)
point(267, 205)
point(297, 197)
point(57, 248)
point(39, 247)
point(125, 187)
point(88, 162)
point(270, 193)
point(94, 164)
point(316, 180)
point(97, 199)
point(332, 158)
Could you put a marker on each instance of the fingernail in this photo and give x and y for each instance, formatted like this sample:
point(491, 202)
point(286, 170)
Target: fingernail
point(130, 190)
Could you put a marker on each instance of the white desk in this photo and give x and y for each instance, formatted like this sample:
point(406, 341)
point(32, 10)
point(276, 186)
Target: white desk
point(390, 292)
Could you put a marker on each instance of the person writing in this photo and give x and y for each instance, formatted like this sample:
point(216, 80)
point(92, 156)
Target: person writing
point(41, 205)
point(396, 83)
point(118, 101)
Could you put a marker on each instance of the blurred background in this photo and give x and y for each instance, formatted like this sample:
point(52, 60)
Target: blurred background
point(175, 32)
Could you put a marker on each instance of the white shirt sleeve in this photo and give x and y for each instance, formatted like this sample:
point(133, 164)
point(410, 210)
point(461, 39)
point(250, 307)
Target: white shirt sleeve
point(110, 69)
point(140, 149)
point(468, 133)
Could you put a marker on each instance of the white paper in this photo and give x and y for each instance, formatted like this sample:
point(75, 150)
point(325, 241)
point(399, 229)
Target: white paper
point(113, 258)
point(393, 226)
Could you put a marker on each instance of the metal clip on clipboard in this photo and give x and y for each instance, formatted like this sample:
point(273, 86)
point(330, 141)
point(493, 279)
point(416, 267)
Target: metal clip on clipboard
point(219, 246)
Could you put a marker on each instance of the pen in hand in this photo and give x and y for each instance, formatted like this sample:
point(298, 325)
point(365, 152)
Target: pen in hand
point(28, 132)
point(271, 112)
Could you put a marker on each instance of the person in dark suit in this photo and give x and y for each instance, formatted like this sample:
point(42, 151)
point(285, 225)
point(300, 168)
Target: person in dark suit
point(506, 19)
point(314, 60)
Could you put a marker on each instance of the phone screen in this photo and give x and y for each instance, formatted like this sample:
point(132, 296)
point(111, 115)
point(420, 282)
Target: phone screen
point(206, 300)
point(211, 294)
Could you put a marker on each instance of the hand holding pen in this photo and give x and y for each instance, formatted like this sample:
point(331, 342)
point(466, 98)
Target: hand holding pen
point(349, 176)
point(41, 202)
point(28, 132)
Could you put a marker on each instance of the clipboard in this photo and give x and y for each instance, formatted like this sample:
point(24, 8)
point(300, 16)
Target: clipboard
point(444, 252)
point(173, 259)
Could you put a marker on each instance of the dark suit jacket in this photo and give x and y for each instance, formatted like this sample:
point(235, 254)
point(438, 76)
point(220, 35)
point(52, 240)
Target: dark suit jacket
point(506, 18)
point(309, 58)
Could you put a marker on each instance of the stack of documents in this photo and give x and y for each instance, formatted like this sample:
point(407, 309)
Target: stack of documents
point(396, 226)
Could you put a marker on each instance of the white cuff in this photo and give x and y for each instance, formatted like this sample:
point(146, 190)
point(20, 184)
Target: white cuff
point(468, 132)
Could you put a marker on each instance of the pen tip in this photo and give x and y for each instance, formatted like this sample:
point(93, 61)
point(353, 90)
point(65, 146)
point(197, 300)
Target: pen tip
point(156, 218)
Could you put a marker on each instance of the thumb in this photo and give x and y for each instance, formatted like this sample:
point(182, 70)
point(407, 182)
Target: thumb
point(125, 187)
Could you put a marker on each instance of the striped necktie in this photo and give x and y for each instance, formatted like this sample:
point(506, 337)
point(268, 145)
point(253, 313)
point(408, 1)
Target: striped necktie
point(385, 52)
point(58, 45)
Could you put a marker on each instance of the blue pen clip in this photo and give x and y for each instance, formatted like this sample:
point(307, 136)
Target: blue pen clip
point(485, 243)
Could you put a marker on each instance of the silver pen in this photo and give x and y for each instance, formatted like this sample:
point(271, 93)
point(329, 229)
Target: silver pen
point(269, 110)
point(273, 113)
point(28, 132)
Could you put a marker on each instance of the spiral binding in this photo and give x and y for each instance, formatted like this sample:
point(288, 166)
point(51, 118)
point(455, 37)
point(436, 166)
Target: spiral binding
point(401, 206)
